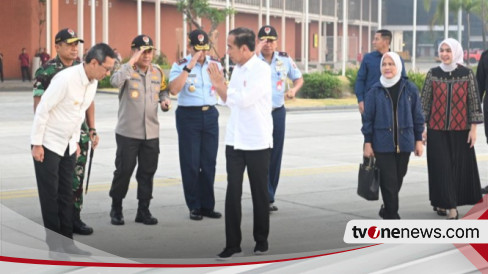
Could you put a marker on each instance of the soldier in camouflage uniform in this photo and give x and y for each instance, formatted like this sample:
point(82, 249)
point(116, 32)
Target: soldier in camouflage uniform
point(67, 52)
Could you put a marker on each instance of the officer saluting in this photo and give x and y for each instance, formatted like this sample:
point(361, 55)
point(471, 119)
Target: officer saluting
point(282, 67)
point(141, 90)
point(197, 125)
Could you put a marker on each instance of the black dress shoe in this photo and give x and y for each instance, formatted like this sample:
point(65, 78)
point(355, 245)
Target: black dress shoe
point(79, 227)
point(261, 248)
point(116, 216)
point(455, 217)
point(144, 216)
point(272, 207)
point(484, 190)
point(228, 252)
point(382, 211)
point(211, 214)
point(58, 254)
point(73, 249)
point(196, 214)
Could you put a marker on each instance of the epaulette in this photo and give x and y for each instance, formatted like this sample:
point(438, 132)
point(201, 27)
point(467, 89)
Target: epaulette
point(182, 61)
point(283, 54)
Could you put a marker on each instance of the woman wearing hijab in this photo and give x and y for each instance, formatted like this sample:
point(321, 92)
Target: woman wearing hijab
point(452, 109)
point(392, 129)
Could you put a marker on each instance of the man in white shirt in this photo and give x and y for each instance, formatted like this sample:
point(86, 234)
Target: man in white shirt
point(54, 137)
point(249, 138)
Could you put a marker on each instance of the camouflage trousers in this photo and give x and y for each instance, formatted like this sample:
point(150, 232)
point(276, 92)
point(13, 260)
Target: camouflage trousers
point(79, 174)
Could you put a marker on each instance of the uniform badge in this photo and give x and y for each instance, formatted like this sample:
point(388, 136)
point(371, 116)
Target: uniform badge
point(134, 94)
point(135, 85)
point(201, 38)
point(267, 30)
point(191, 88)
point(155, 77)
point(135, 75)
point(156, 96)
point(71, 32)
point(279, 85)
point(145, 39)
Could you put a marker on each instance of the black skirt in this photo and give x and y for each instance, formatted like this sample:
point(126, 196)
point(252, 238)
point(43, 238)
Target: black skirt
point(453, 172)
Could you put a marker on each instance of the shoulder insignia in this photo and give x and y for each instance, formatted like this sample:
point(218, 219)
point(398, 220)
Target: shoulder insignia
point(182, 61)
point(282, 53)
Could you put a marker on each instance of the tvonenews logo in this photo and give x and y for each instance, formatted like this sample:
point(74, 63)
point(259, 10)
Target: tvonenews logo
point(416, 231)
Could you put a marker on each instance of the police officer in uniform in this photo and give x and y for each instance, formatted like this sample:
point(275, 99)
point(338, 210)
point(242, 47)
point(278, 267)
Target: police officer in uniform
point(197, 126)
point(141, 89)
point(67, 52)
point(282, 67)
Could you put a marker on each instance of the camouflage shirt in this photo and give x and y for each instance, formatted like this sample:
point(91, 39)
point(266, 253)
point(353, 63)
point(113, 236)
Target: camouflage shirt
point(46, 72)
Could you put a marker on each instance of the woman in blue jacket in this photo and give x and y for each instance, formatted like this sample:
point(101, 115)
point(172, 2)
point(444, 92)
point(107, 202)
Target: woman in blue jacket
point(392, 129)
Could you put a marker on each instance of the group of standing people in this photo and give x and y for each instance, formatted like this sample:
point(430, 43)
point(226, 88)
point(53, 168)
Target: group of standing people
point(398, 121)
point(64, 125)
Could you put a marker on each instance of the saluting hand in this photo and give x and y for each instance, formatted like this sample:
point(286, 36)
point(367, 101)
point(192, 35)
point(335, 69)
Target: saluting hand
point(259, 46)
point(194, 59)
point(135, 57)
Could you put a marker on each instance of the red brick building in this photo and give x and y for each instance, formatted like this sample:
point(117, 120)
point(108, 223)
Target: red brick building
point(20, 26)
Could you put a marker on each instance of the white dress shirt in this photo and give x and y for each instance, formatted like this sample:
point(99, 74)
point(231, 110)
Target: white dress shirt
point(61, 112)
point(250, 125)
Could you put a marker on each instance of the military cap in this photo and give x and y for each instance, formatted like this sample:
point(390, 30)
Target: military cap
point(199, 40)
point(267, 33)
point(67, 35)
point(142, 41)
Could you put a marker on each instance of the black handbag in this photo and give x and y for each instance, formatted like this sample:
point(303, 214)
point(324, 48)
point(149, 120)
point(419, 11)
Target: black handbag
point(369, 179)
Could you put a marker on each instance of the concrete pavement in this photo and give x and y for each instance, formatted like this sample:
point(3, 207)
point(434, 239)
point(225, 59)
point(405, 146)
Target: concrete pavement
point(316, 196)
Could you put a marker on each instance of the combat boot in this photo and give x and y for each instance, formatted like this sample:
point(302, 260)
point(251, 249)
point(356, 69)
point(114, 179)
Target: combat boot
point(116, 216)
point(79, 227)
point(144, 215)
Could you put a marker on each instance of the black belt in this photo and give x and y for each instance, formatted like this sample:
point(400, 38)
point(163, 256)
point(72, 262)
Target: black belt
point(278, 108)
point(202, 108)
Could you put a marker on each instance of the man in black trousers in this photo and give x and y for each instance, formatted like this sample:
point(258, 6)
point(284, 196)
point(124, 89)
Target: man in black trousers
point(54, 139)
point(248, 140)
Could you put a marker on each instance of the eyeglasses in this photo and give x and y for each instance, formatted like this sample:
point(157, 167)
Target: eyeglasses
point(106, 69)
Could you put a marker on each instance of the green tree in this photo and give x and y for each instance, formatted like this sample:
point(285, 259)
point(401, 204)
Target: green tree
point(194, 9)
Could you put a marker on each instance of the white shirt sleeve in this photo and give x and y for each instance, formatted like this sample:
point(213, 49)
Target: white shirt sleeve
point(51, 97)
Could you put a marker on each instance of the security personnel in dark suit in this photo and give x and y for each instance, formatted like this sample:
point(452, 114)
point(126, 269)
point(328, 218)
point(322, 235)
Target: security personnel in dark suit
point(197, 125)
point(282, 67)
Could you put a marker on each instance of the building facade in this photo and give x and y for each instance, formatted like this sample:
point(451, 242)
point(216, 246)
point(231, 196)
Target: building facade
point(116, 23)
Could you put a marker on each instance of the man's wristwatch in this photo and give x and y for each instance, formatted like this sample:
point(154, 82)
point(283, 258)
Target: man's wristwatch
point(185, 68)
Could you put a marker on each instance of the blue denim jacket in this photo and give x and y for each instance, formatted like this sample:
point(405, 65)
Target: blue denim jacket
point(369, 73)
point(379, 118)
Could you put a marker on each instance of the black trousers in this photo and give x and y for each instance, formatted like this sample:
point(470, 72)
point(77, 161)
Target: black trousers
point(54, 183)
point(257, 163)
point(129, 152)
point(393, 167)
point(25, 73)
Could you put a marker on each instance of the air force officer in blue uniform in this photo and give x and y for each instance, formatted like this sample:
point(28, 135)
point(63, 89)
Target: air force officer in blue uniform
point(282, 67)
point(197, 126)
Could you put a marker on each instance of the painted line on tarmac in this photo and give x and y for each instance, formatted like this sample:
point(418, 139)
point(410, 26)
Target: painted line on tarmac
point(166, 182)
